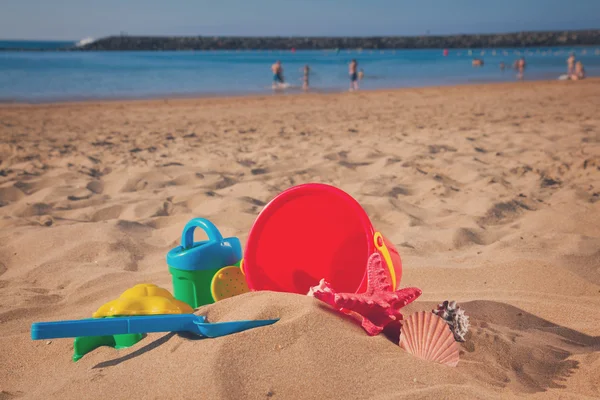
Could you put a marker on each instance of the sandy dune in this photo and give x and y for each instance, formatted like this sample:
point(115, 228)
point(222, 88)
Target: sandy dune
point(490, 193)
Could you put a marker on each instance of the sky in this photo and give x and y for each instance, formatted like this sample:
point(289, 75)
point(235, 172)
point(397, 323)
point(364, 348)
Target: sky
point(77, 19)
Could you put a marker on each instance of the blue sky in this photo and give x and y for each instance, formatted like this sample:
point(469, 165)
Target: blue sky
point(75, 19)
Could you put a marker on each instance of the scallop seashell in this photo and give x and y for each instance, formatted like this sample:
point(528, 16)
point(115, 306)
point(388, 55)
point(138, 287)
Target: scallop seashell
point(427, 336)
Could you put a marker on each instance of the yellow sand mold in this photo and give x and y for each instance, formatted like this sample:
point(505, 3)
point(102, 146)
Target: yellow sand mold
point(143, 299)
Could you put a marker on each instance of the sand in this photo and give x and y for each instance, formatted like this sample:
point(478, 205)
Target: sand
point(491, 193)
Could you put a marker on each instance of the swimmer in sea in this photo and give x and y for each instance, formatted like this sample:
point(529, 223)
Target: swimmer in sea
point(361, 74)
point(352, 71)
point(277, 70)
point(305, 76)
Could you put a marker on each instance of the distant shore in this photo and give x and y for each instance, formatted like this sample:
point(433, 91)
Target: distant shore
point(517, 39)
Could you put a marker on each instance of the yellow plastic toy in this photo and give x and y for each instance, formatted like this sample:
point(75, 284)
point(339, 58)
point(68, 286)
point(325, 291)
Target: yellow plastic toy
point(143, 299)
point(380, 245)
point(228, 282)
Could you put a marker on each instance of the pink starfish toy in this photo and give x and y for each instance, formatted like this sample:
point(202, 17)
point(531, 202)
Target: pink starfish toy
point(376, 307)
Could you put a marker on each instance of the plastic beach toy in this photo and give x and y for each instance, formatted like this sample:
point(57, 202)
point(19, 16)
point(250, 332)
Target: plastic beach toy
point(153, 323)
point(139, 310)
point(85, 344)
point(228, 282)
point(312, 232)
point(378, 306)
point(142, 299)
point(194, 264)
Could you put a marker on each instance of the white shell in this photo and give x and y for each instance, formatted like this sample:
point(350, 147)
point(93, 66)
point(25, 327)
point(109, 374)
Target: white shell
point(427, 336)
point(455, 317)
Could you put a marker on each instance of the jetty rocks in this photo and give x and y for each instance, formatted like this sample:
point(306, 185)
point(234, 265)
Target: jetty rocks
point(176, 43)
point(521, 39)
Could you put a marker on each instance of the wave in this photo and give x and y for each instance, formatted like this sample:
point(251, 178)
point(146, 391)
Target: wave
point(85, 41)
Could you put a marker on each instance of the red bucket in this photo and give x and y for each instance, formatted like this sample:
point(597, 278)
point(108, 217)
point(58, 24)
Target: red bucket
point(310, 232)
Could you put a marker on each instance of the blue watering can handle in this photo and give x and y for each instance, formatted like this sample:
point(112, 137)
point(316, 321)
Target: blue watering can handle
point(187, 237)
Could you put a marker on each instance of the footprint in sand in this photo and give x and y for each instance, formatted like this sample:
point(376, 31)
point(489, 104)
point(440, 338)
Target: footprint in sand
point(505, 212)
point(95, 186)
point(392, 160)
point(438, 148)
point(166, 209)
point(107, 213)
point(259, 171)
point(132, 227)
point(256, 205)
point(253, 201)
point(83, 194)
point(134, 185)
point(26, 187)
point(531, 354)
point(464, 237)
point(31, 210)
point(399, 190)
point(353, 165)
point(550, 182)
point(6, 395)
point(225, 182)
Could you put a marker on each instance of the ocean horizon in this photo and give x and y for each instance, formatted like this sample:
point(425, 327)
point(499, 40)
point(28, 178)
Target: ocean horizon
point(36, 44)
point(49, 76)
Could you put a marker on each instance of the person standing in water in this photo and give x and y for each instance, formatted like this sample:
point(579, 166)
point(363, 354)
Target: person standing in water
point(306, 73)
point(571, 64)
point(277, 70)
point(520, 67)
point(352, 71)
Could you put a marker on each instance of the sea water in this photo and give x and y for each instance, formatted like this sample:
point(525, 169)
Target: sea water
point(42, 76)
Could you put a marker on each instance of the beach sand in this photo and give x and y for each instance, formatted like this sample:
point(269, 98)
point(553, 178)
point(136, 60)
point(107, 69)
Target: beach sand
point(491, 193)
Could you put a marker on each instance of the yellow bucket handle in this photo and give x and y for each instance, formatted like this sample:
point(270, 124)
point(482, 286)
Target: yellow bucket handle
point(380, 245)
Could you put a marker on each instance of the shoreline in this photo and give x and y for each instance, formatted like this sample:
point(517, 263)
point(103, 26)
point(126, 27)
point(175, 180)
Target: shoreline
point(295, 93)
